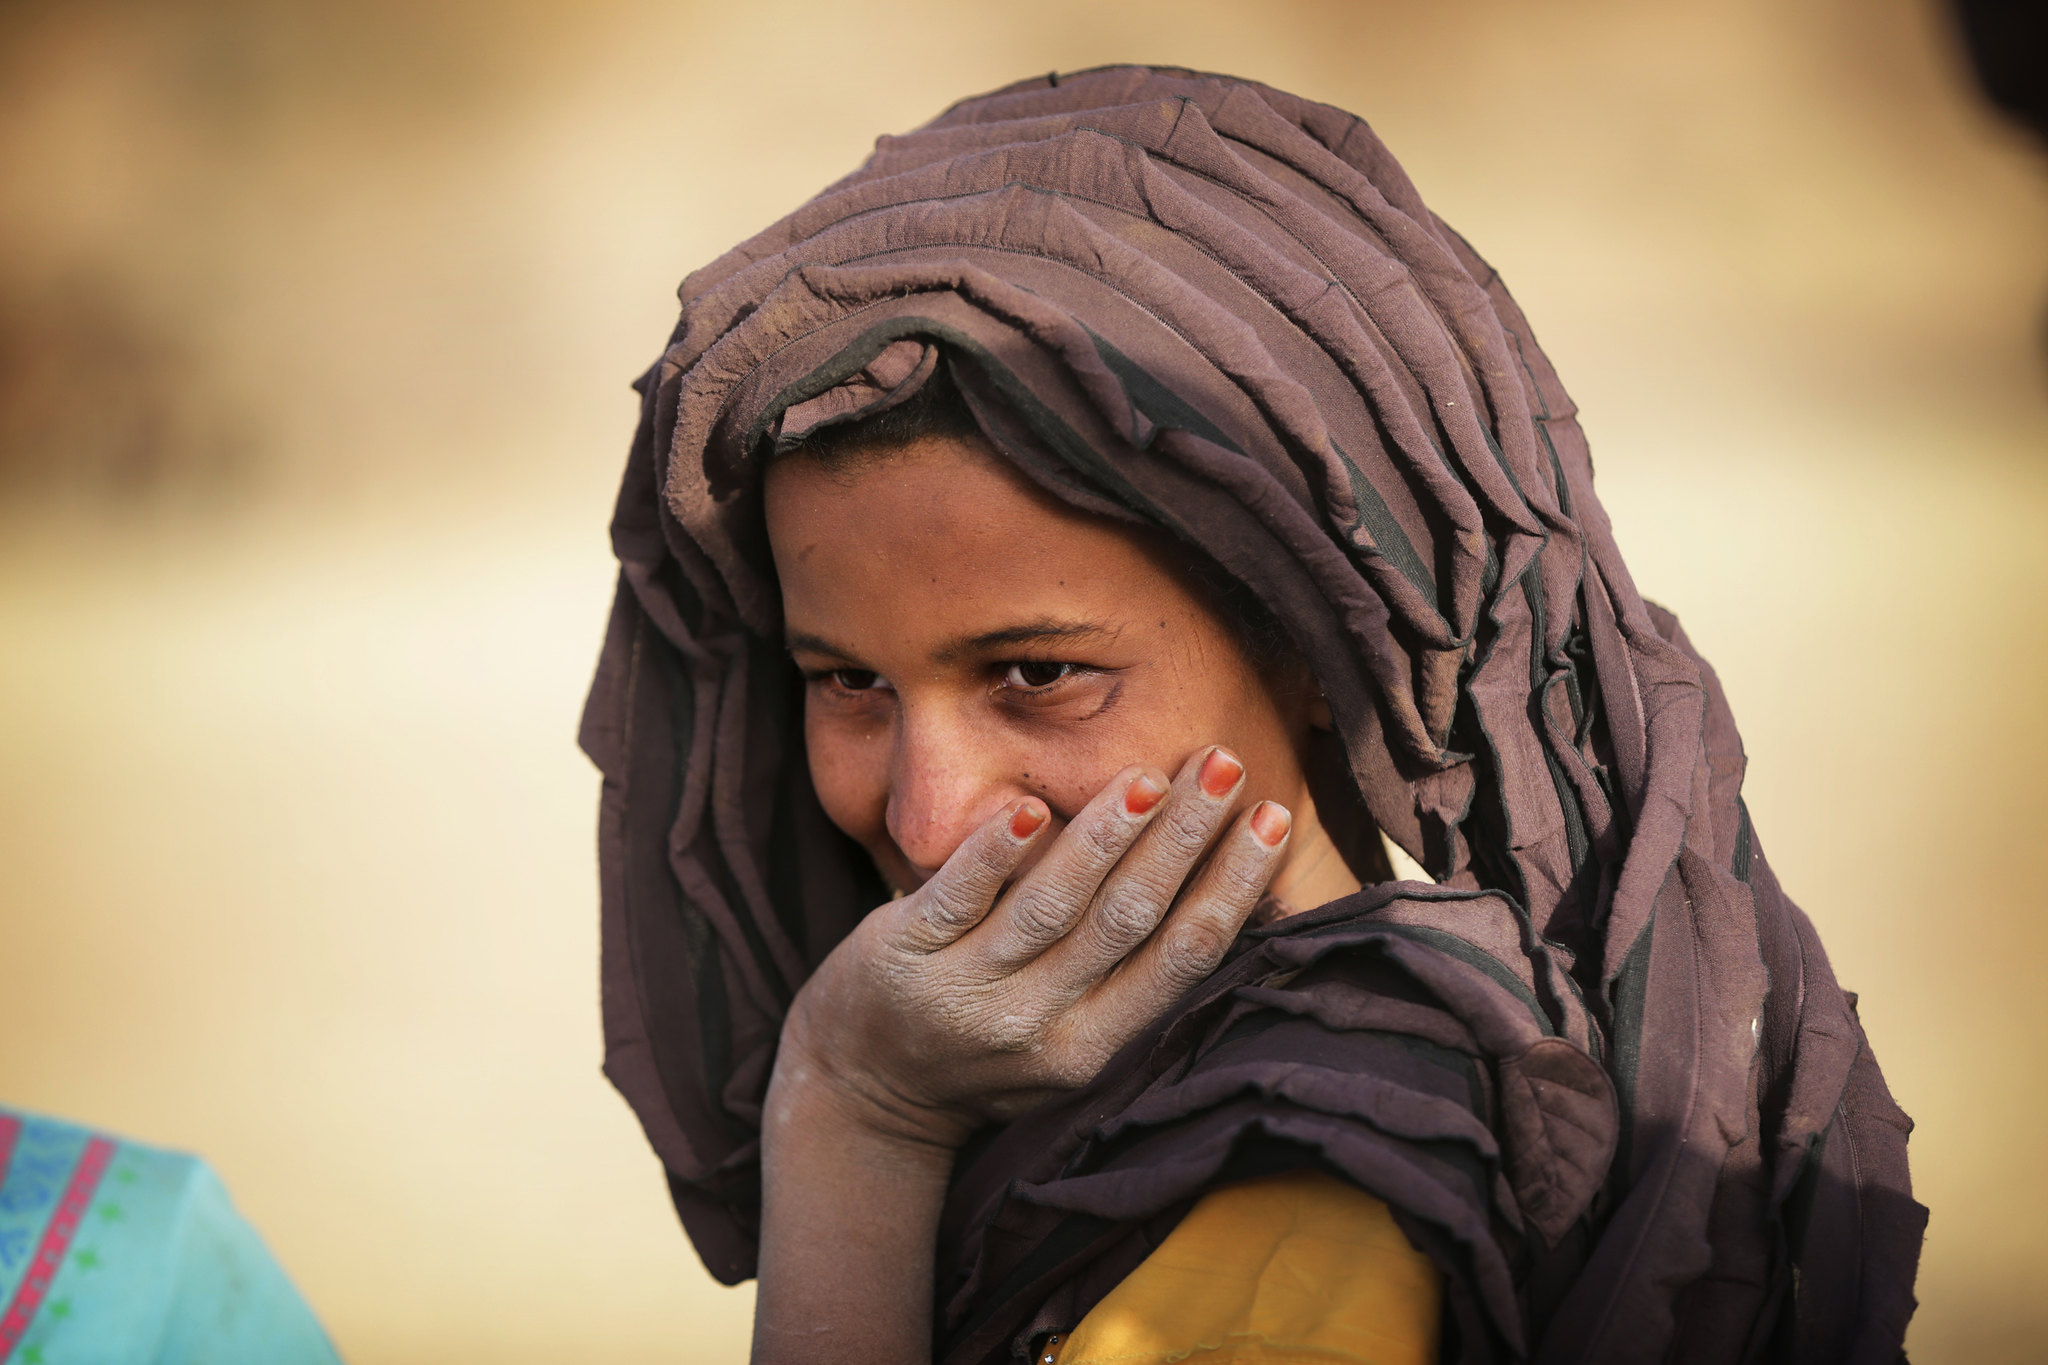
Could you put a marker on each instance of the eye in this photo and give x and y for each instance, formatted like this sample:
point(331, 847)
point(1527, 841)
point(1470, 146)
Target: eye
point(859, 680)
point(1036, 673)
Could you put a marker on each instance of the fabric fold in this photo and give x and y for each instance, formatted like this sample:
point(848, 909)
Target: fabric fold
point(1601, 1073)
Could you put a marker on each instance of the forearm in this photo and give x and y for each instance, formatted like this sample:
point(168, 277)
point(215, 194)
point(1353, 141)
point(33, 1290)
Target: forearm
point(850, 1217)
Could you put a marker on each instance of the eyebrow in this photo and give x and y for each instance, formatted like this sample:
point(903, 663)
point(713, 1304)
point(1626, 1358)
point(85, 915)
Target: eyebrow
point(1031, 632)
point(799, 643)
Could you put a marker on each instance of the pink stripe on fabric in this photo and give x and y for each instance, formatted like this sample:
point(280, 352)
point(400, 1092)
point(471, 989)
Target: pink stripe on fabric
point(63, 1225)
point(10, 1132)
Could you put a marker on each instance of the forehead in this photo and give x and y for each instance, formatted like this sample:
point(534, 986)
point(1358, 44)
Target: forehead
point(944, 537)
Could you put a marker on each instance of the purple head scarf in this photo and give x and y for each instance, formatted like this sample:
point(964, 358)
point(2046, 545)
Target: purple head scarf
point(1601, 1070)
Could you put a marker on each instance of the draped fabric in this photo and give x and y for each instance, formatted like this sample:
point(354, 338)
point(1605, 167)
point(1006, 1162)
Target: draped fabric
point(112, 1250)
point(1601, 1072)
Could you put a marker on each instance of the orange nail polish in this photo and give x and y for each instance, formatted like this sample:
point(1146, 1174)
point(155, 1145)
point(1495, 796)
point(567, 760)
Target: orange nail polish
point(1220, 773)
point(1026, 819)
point(1270, 822)
point(1143, 794)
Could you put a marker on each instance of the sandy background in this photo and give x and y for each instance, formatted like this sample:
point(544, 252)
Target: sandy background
point(315, 327)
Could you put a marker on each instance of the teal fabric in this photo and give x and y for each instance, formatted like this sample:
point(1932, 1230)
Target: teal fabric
point(160, 1269)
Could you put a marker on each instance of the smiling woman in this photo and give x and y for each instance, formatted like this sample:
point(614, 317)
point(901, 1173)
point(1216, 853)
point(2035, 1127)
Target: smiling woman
point(1163, 509)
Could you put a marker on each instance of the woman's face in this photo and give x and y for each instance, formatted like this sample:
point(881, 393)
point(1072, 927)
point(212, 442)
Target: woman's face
point(968, 640)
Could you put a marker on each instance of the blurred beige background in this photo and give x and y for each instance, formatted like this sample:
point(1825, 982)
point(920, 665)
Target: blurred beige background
point(315, 327)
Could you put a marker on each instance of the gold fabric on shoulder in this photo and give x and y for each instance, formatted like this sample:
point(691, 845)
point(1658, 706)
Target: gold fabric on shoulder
point(1295, 1269)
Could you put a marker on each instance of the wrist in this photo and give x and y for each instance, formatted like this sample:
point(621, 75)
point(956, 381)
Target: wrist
point(851, 1201)
point(814, 1092)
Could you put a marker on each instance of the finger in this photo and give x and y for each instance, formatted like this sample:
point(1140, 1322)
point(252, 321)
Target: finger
point(1135, 896)
point(1052, 897)
point(1203, 924)
point(959, 895)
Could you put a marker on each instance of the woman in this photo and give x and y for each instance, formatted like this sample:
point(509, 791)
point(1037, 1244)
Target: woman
point(1159, 504)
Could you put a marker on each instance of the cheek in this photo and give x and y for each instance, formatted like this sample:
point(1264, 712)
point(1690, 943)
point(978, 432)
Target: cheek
point(1068, 771)
point(1267, 739)
point(850, 773)
point(1223, 699)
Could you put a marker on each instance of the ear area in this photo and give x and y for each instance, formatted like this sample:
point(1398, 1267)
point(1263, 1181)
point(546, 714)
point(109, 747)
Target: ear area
point(1319, 717)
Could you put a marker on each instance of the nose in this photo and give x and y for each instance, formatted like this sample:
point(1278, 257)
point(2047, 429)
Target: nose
point(947, 778)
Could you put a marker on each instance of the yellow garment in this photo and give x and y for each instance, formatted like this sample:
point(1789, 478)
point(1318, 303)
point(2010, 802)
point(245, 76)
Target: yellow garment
point(1296, 1269)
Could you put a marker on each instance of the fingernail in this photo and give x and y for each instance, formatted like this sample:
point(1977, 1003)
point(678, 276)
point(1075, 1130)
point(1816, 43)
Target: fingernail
point(1026, 819)
point(1143, 794)
point(1270, 822)
point(1220, 773)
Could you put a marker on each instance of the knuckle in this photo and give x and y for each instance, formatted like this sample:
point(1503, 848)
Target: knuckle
point(1070, 1072)
point(1040, 916)
point(1127, 913)
point(1195, 948)
point(948, 908)
point(1069, 1059)
point(1011, 1034)
point(1185, 836)
point(989, 858)
point(1241, 878)
point(1103, 841)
